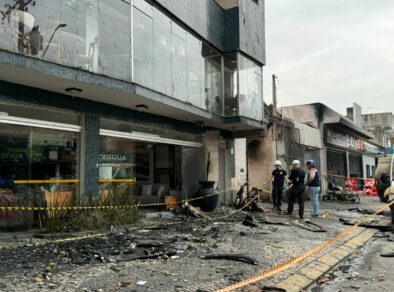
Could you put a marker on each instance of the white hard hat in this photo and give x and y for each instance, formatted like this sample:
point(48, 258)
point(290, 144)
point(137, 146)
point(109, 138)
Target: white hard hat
point(277, 162)
point(296, 162)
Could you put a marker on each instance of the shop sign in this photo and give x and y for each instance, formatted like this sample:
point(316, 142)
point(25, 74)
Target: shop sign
point(352, 143)
point(14, 155)
point(115, 158)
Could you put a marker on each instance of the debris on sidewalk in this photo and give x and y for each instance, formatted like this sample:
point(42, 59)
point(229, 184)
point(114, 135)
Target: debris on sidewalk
point(387, 255)
point(368, 211)
point(141, 283)
point(231, 257)
point(382, 225)
point(198, 213)
point(309, 225)
point(272, 222)
point(225, 249)
point(248, 221)
point(125, 285)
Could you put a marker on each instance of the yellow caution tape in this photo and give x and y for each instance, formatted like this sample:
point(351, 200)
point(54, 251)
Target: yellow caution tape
point(117, 181)
point(46, 181)
point(70, 208)
point(66, 181)
point(65, 208)
point(70, 239)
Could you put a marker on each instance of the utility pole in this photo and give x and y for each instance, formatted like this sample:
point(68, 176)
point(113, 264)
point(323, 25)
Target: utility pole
point(274, 115)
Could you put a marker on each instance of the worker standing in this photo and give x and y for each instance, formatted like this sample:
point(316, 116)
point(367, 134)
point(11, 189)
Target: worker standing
point(313, 183)
point(278, 178)
point(297, 178)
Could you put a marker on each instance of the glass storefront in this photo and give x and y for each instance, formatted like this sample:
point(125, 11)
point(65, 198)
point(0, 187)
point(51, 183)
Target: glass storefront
point(134, 42)
point(37, 163)
point(144, 159)
point(117, 159)
point(39, 160)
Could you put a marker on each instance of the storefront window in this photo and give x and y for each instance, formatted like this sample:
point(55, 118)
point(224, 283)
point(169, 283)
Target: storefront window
point(53, 155)
point(117, 159)
point(14, 153)
point(115, 40)
point(143, 48)
point(38, 166)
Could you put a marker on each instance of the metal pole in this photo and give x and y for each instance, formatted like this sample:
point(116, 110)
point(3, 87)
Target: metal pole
point(274, 116)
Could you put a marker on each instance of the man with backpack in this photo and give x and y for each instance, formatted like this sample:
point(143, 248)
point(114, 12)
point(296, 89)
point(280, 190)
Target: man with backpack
point(297, 189)
point(313, 184)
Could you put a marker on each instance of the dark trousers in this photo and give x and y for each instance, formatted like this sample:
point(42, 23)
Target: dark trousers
point(296, 195)
point(277, 191)
point(392, 217)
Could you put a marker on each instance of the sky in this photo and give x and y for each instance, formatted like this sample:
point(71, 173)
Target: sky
point(332, 51)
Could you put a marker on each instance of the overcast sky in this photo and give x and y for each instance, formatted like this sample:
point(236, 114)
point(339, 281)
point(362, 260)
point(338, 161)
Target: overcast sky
point(333, 51)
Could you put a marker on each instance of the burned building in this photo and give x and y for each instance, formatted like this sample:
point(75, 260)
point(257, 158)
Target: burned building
point(348, 149)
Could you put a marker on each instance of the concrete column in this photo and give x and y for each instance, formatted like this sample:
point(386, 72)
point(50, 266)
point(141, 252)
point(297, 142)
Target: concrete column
point(323, 171)
point(90, 154)
point(240, 160)
point(211, 151)
point(347, 164)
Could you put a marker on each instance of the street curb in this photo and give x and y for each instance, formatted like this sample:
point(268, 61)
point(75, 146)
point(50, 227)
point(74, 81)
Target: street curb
point(303, 278)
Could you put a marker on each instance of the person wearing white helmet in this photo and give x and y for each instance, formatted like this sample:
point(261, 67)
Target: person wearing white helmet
point(278, 178)
point(297, 178)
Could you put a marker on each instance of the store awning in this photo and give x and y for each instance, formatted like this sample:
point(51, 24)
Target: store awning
point(145, 137)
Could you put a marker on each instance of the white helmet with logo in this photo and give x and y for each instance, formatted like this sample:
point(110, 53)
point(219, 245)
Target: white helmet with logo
point(296, 162)
point(277, 162)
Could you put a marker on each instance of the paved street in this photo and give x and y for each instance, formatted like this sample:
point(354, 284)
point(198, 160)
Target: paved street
point(111, 263)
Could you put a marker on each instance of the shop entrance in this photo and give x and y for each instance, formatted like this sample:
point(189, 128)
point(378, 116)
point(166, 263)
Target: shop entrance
point(356, 169)
point(38, 166)
point(336, 166)
point(147, 169)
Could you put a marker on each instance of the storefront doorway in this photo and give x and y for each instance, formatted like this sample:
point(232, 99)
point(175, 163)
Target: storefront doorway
point(39, 163)
point(336, 166)
point(149, 166)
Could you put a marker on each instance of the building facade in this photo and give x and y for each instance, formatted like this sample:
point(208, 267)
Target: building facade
point(147, 93)
point(286, 140)
point(382, 126)
point(348, 150)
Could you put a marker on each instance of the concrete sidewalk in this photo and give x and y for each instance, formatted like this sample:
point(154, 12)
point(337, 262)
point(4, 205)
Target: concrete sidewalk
point(305, 277)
